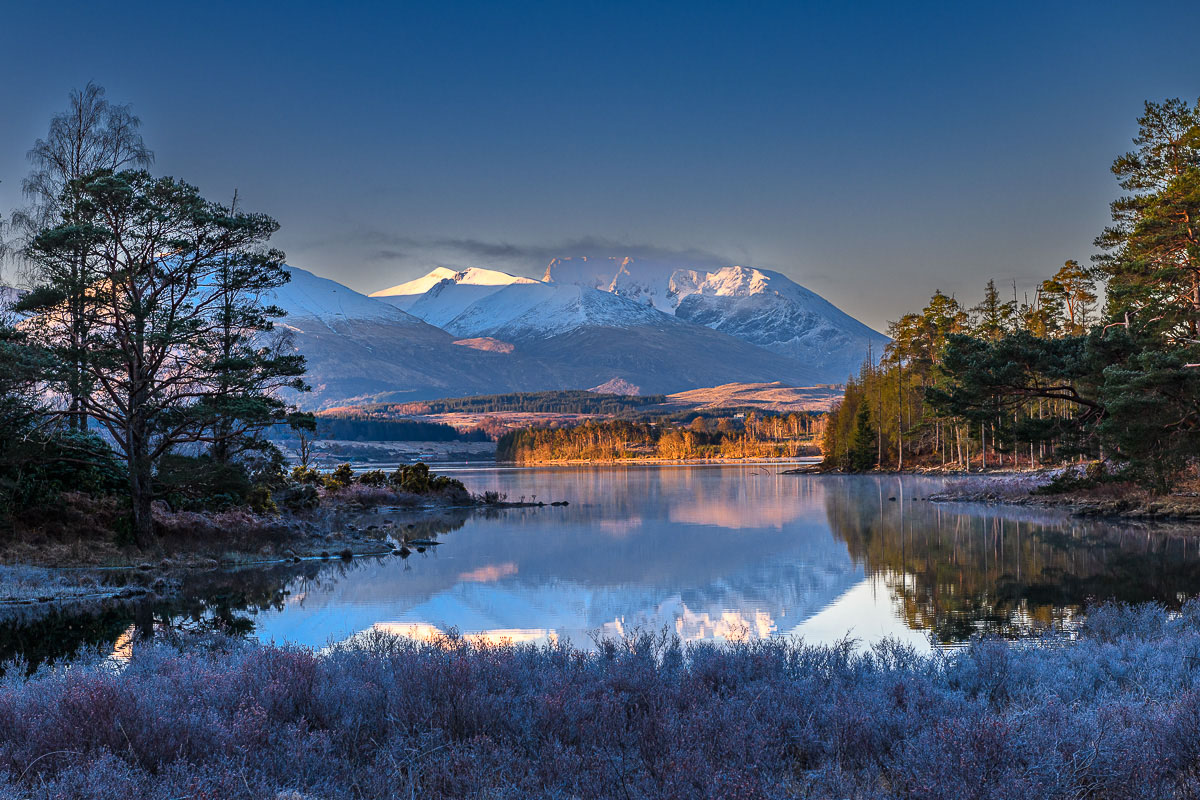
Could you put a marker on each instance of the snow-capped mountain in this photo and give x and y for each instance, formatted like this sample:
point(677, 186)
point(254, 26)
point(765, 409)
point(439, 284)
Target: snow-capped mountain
point(483, 280)
point(585, 337)
point(523, 336)
point(524, 311)
point(642, 281)
point(776, 313)
point(309, 296)
point(360, 348)
point(759, 306)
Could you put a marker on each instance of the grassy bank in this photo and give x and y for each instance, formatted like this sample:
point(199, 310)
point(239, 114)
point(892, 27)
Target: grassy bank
point(1112, 714)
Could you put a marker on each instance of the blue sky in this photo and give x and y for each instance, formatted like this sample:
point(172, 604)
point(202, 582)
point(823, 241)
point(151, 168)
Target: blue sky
point(872, 151)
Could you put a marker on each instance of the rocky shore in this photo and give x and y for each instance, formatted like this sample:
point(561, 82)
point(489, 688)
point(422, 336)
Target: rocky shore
point(77, 553)
point(1111, 500)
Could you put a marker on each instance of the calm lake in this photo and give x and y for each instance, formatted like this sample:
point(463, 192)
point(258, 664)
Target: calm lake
point(709, 552)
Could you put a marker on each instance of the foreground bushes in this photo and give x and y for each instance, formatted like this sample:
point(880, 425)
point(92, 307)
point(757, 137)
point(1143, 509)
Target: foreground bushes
point(1112, 715)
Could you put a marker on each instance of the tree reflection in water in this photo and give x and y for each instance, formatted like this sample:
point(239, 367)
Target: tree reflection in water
point(963, 569)
point(223, 601)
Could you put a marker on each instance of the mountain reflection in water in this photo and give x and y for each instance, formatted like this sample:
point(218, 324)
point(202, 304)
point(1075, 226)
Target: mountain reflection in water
point(707, 552)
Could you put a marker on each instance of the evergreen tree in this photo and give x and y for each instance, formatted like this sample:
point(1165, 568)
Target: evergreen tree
point(862, 454)
point(1071, 293)
point(1153, 410)
point(990, 314)
point(162, 257)
point(1152, 249)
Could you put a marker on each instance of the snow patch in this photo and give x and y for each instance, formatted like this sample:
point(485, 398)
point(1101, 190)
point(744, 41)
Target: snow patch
point(404, 295)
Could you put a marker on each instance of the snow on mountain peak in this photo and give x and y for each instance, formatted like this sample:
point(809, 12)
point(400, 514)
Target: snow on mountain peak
point(538, 310)
point(760, 306)
point(405, 295)
point(311, 296)
point(641, 280)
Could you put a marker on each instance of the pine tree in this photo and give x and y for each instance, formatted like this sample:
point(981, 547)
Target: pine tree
point(1071, 294)
point(862, 454)
point(163, 257)
point(1152, 258)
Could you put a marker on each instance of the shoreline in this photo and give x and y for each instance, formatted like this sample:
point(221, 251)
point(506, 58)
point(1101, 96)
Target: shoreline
point(62, 571)
point(612, 462)
point(1116, 502)
point(1170, 509)
point(339, 530)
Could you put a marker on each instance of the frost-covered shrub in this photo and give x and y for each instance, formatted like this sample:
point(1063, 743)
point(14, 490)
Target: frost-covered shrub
point(1114, 713)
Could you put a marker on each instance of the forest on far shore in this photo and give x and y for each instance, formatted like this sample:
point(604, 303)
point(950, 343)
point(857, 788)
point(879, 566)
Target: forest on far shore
point(737, 435)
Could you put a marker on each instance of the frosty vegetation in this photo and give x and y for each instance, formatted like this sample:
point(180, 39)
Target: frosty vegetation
point(1113, 713)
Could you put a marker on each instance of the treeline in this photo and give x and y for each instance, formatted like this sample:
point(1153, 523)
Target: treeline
point(754, 436)
point(552, 402)
point(141, 359)
point(356, 428)
point(1062, 375)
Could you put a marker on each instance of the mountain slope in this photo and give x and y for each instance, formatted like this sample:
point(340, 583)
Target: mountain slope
point(536, 311)
point(776, 313)
point(360, 348)
point(640, 280)
point(759, 306)
point(583, 337)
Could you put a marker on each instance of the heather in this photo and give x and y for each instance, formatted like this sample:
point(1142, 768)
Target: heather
point(1110, 713)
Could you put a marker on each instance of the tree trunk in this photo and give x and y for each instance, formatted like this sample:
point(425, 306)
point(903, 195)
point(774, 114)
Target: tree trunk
point(899, 415)
point(140, 489)
point(141, 499)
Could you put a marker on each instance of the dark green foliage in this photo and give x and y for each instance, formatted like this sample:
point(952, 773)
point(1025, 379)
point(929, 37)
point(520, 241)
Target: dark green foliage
point(265, 465)
point(1153, 415)
point(1042, 382)
point(200, 483)
point(175, 336)
point(260, 500)
point(42, 463)
point(1152, 249)
point(863, 446)
point(994, 381)
point(417, 479)
point(374, 477)
point(302, 497)
point(39, 457)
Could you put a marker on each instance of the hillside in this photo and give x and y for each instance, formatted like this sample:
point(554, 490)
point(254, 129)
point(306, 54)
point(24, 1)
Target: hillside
point(767, 396)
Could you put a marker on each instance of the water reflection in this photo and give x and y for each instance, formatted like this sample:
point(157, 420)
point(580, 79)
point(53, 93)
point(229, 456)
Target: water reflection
point(708, 552)
point(956, 570)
